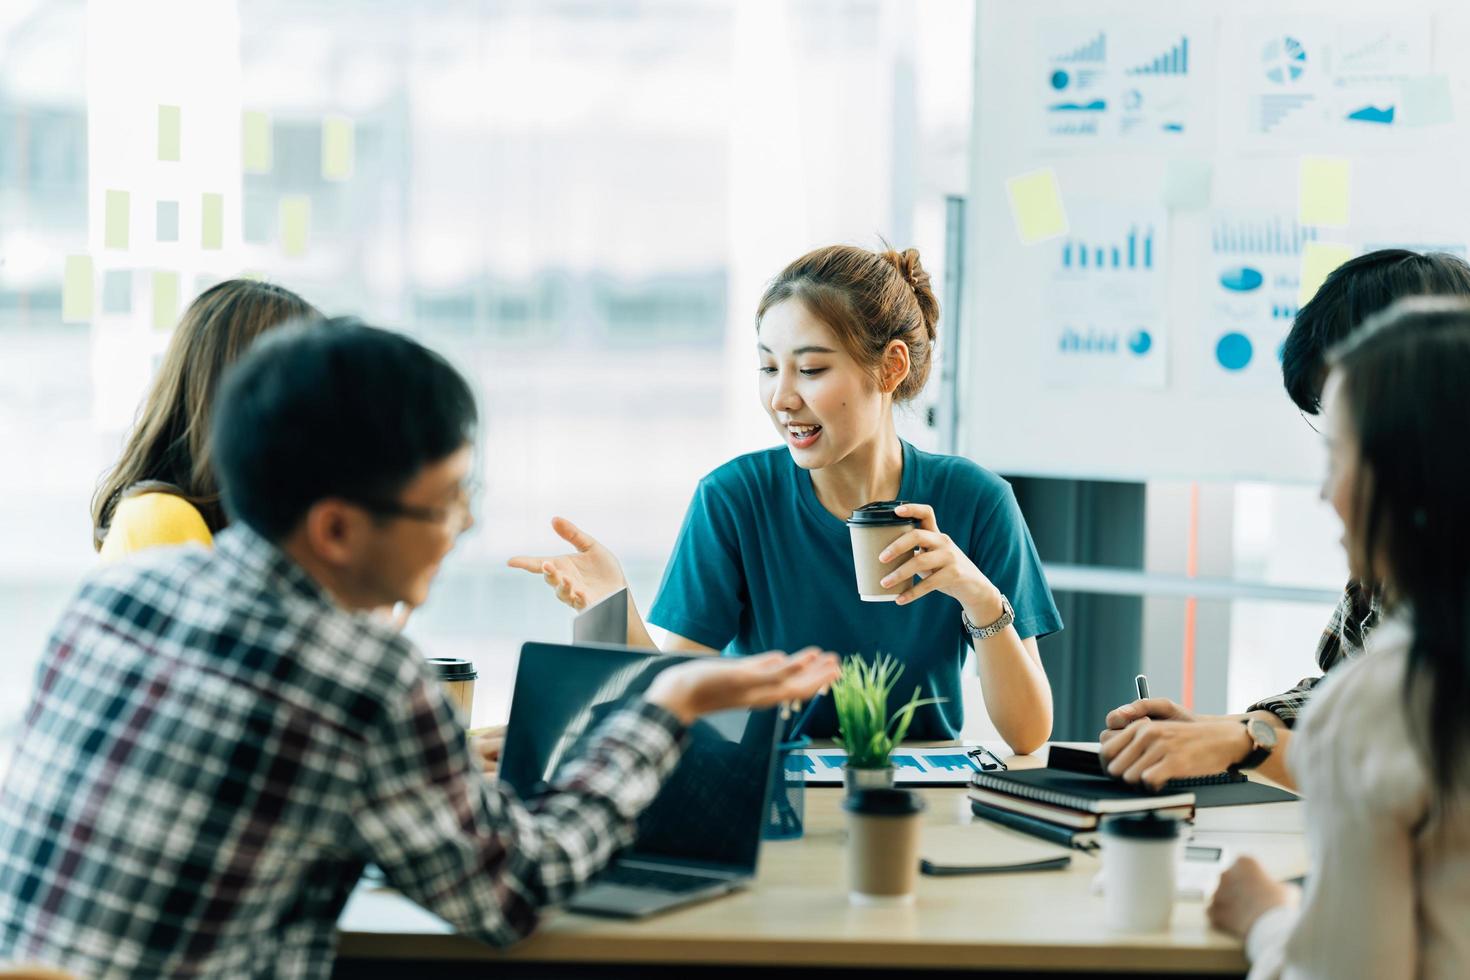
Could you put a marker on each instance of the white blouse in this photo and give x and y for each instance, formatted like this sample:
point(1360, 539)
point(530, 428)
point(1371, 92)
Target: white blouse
point(1388, 893)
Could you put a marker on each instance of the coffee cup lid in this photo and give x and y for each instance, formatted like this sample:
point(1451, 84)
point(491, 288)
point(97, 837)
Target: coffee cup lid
point(883, 802)
point(879, 512)
point(1141, 826)
point(453, 669)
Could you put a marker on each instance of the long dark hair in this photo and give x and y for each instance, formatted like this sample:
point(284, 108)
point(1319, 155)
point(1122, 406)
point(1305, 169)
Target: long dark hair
point(169, 446)
point(1406, 388)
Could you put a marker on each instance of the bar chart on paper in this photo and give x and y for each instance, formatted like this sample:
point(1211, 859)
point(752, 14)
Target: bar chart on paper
point(1255, 275)
point(1136, 251)
point(949, 766)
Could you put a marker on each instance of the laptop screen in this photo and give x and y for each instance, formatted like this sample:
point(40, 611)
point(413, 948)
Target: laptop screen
point(711, 808)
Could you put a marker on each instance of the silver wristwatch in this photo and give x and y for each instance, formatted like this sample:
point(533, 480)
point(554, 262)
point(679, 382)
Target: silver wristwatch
point(1007, 617)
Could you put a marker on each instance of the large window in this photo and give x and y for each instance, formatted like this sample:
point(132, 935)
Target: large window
point(577, 203)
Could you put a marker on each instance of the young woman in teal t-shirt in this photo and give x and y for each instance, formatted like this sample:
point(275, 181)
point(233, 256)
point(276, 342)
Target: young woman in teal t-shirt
point(844, 334)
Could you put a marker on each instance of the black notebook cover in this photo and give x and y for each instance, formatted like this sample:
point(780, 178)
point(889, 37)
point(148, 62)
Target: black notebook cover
point(1094, 794)
point(1221, 789)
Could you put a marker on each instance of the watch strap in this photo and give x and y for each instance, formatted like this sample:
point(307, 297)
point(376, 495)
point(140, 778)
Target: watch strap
point(1007, 617)
point(1258, 754)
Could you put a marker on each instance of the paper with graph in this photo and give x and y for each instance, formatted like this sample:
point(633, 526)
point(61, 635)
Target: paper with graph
point(951, 765)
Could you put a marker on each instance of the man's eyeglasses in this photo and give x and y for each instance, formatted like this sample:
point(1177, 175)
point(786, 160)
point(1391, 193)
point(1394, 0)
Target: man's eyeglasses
point(456, 513)
point(1309, 420)
point(987, 760)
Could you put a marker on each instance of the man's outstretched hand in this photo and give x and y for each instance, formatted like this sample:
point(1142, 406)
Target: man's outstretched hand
point(709, 684)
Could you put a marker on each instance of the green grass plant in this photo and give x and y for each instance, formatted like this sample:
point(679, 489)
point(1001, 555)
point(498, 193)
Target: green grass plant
point(860, 695)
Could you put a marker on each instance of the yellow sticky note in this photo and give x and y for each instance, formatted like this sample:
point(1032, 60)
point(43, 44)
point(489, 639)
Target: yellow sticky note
point(165, 300)
point(1323, 192)
point(295, 223)
point(256, 142)
point(1036, 204)
point(168, 132)
point(115, 228)
point(337, 148)
point(76, 289)
point(1318, 261)
point(212, 214)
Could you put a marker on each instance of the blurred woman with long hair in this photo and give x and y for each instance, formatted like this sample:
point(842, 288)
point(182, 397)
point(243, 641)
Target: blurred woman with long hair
point(162, 489)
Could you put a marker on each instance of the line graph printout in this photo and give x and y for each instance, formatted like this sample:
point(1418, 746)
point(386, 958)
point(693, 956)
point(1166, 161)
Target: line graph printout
point(1303, 80)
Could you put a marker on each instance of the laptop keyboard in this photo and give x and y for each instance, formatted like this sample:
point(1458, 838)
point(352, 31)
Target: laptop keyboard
point(663, 881)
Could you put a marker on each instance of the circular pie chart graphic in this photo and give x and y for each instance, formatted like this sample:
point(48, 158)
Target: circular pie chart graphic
point(1233, 351)
point(1284, 60)
point(1140, 342)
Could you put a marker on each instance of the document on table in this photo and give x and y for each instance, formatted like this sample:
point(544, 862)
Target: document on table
point(948, 766)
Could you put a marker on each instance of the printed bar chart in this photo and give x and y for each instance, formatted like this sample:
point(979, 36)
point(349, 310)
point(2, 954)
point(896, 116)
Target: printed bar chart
point(1136, 252)
point(1175, 61)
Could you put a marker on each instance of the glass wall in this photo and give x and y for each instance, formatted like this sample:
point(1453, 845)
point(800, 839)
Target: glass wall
point(577, 203)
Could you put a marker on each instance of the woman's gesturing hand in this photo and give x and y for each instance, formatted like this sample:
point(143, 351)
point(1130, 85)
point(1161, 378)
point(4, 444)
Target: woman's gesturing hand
point(941, 564)
point(583, 578)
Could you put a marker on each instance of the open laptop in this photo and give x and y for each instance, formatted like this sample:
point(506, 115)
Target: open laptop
point(605, 622)
point(701, 835)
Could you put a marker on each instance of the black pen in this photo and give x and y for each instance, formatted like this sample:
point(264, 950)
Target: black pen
point(1141, 682)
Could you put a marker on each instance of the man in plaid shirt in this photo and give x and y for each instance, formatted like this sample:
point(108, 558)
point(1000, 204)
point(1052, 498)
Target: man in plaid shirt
point(219, 741)
point(1154, 740)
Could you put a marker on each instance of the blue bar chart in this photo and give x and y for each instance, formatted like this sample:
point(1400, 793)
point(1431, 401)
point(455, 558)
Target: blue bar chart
point(1175, 61)
point(1270, 236)
point(1094, 50)
point(1136, 251)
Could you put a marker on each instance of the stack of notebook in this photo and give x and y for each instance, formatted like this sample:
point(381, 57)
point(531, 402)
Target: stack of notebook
point(1066, 801)
point(1064, 807)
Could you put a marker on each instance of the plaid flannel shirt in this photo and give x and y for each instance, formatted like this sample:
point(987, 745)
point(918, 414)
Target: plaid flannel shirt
point(212, 752)
point(1343, 639)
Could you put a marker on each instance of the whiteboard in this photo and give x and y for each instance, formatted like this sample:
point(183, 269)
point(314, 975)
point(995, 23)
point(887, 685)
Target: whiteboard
point(1219, 90)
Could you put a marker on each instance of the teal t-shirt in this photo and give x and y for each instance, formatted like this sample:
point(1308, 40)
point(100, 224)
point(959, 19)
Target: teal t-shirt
point(761, 565)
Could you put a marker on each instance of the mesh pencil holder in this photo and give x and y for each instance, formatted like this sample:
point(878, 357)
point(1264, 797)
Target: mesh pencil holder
point(786, 813)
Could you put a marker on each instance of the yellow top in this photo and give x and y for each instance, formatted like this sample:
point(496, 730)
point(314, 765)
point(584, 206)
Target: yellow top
point(149, 520)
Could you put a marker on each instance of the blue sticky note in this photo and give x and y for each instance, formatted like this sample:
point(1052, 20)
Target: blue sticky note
point(1187, 183)
point(166, 225)
point(117, 291)
point(1426, 100)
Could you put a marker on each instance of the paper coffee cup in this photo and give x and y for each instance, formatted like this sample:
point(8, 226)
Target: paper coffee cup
point(1140, 854)
point(458, 677)
point(882, 846)
point(874, 527)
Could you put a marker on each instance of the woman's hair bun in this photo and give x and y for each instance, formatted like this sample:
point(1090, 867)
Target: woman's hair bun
point(908, 265)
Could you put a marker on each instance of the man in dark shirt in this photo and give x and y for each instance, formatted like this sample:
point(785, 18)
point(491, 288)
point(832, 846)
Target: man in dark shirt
point(1154, 740)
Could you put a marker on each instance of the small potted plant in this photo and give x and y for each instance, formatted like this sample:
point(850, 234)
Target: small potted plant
point(865, 730)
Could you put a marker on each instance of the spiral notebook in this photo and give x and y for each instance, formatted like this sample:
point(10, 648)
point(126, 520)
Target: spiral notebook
point(1085, 761)
point(1218, 789)
point(1076, 791)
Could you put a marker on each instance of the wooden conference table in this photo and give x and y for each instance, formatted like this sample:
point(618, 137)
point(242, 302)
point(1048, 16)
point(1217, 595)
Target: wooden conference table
point(796, 915)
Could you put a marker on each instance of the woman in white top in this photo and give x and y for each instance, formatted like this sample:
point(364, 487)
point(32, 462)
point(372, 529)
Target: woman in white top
point(1381, 753)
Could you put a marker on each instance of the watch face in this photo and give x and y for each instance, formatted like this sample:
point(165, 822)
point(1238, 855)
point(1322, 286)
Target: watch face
point(1263, 733)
